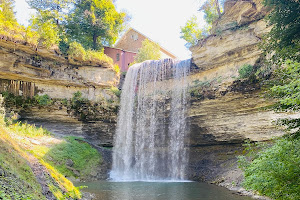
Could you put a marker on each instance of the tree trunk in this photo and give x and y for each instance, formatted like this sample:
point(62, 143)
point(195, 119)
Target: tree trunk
point(95, 41)
point(218, 7)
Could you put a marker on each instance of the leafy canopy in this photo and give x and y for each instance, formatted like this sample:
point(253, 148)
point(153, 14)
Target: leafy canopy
point(94, 23)
point(283, 41)
point(191, 32)
point(148, 51)
point(212, 11)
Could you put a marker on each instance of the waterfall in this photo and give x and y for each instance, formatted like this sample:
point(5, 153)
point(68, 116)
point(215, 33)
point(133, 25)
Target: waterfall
point(151, 137)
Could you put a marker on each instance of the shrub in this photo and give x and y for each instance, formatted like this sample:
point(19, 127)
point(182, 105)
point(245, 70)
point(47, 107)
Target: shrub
point(246, 71)
point(98, 56)
point(116, 68)
point(43, 100)
point(275, 171)
point(76, 51)
point(116, 91)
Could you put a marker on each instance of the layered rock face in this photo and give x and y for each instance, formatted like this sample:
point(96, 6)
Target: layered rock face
point(234, 41)
point(28, 71)
point(228, 111)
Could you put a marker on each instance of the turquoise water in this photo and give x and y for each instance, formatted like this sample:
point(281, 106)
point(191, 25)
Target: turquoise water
point(106, 190)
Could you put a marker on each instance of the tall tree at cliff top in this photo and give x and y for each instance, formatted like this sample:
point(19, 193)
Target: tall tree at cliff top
point(56, 10)
point(283, 41)
point(6, 10)
point(49, 20)
point(191, 32)
point(95, 23)
point(212, 11)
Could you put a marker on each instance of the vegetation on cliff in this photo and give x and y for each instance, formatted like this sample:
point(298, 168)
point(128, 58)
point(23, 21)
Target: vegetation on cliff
point(274, 171)
point(55, 158)
point(78, 28)
point(191, 31)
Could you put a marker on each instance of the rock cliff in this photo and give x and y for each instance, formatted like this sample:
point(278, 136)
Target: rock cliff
point(28, 71)
point(226, 111)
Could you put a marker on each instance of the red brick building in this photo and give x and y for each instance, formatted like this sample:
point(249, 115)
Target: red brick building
point(126, 48)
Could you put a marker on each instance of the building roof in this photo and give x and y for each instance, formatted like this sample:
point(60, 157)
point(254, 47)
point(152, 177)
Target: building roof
point(165, 51)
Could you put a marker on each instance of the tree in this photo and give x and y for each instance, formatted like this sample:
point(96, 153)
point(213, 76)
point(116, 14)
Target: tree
point(46, 28)
point(283, 41)
point(6, 9)
point(212, 11)
point(148, 51)
point(50, 19)
point(95, 23)
point(55, 10)
point(191, 32)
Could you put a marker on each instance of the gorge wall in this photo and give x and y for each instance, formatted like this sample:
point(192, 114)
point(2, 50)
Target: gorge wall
point(224, 111)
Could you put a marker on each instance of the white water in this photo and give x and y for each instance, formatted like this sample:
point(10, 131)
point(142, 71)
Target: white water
point(151, 136)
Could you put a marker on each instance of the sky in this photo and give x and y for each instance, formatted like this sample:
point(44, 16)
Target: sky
point(160, 20)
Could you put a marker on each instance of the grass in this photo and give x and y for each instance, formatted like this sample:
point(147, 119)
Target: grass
point(85, 158)
point(18, 181)
point(28, 130)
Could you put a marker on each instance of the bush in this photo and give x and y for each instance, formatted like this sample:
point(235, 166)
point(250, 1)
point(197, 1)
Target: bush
point(116, 91)
point(76, 51)
point(98, 56)
point(116, 68)
point(275, 171)
point(43, 100)
point(246, 71)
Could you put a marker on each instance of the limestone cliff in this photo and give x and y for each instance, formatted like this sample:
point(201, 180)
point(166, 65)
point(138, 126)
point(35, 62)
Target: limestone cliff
point(28, 71)
point(234, 41)
point(226, 111)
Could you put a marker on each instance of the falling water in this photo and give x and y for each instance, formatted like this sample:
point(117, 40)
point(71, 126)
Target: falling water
point(151, 136)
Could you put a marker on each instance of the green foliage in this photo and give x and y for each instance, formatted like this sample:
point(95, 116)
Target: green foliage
point(76, 51)
point(9, 26)
point(95, 23)
point(285, 86)
point(275, 171)
point(149, 51)
point(116, 91)
point(191, 32)
point(17, 180)
point(29, 130)
point(46, 28)
point(53, 10)
point(85, 158)
point(43, 100)
point(246, 71)
point(98, 56)
point(210, 11)
point(283, 41)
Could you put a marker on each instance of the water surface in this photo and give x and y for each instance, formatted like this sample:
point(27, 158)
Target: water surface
point(105, 190)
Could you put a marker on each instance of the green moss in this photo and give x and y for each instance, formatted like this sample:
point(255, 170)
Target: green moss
point(84, 158)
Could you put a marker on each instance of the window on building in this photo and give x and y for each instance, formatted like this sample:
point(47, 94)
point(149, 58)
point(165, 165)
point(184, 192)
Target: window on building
point(118, 56)
point(135, 36)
